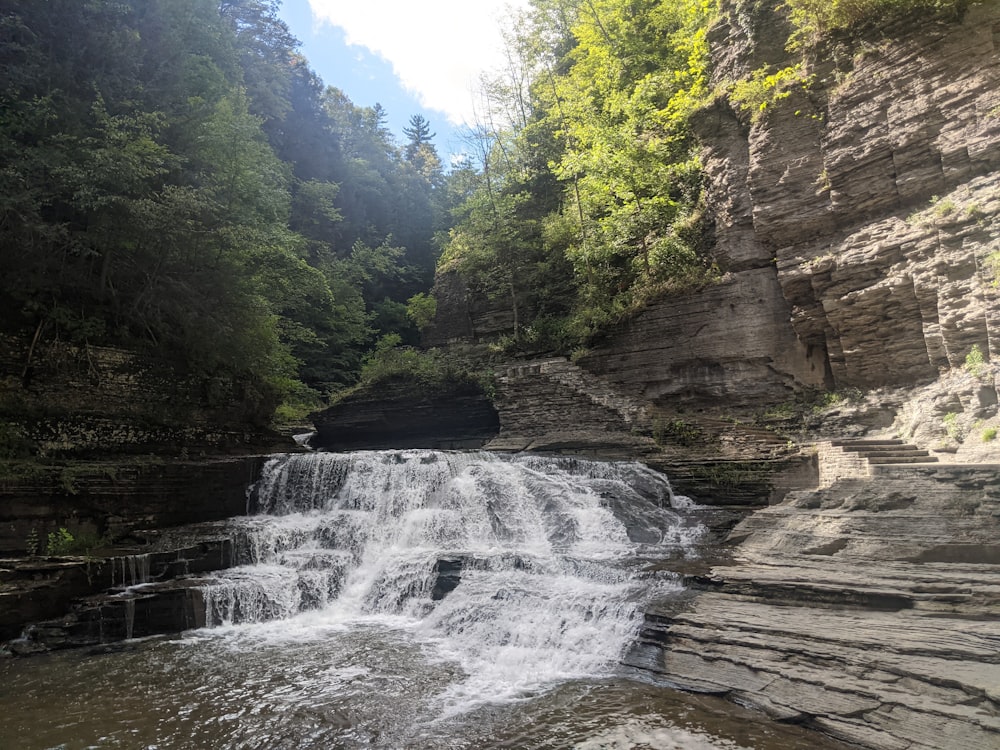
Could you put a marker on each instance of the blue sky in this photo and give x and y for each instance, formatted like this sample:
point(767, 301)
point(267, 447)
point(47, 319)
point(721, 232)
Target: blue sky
point(409, 57)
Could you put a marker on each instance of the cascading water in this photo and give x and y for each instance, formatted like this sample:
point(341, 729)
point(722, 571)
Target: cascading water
point(407, 600)
point(523, 570)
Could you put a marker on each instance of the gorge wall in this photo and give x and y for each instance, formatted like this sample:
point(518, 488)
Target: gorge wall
point(104, 441)
point(62, 400)
point(856, 219)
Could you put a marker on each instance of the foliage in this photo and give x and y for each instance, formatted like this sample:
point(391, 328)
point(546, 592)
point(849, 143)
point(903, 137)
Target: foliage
point(421, 309)
point(763, 89)
point(677, 432)
point(390, 360)
point(588, 202)
point(31, 543)
point(814, 20)
point(989, 434)
point(62, 543)
point(952, 427)
point(59, 542)
point(173, 176)
point(975, 362)
point(430, 369)
point(13, 443)
point(993, 264)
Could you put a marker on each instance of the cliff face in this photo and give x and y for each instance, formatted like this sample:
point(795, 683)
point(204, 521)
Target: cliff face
point(78, 430)
point(402, 414)
point(855, 219)
point(874, 193)
point(91, 401)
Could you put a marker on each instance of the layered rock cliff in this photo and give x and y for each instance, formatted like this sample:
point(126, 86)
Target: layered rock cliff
point(855, 217)
point(102, 441)
point(866, 610)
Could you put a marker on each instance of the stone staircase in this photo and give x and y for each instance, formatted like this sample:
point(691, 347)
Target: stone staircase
point(632, 411)
point(852, 459)
point(551, 404)
point(560, 370)
point(886, 451)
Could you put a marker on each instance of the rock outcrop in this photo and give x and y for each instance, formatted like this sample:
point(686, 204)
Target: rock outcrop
point(873, 193)
point(87, 402)
point(103, 441)
point(92, 600)
point(114, 499)
point(866, 610)
point(408, 414)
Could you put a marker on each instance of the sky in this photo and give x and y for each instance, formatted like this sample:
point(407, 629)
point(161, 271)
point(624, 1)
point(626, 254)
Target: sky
point(411, 57)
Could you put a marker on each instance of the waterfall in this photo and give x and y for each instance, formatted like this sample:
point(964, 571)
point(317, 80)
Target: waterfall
point(134, 570)
point(523, 569)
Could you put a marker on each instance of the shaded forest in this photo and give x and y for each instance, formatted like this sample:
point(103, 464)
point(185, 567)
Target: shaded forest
point(175, 176)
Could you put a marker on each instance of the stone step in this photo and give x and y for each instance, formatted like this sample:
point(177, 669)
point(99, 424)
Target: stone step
point(859, 444)
point(909, 452)
point(902, 459)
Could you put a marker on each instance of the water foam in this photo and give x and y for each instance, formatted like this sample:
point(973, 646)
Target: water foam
point(545, 552)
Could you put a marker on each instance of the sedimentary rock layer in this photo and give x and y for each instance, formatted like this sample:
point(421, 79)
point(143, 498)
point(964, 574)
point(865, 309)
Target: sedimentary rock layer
point(867, 610)
point(408, 414)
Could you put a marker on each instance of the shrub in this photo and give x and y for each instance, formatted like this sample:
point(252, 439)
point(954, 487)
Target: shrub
point(678, 432)
point(13, 443)
point(59, 542)
point(993, 266)
point(421, 309)
point(62, 542)
point(975, 362)
point(951, 426)
point(31, 544)
point(989, 434)
point(764, 89)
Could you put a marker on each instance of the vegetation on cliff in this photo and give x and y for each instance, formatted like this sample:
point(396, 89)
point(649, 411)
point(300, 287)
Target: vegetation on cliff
point(589, 198)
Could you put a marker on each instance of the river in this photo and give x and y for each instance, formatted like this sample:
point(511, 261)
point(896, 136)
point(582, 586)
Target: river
point(408, 599)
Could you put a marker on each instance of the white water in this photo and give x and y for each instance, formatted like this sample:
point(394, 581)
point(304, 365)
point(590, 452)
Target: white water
point(328, 634)
point(550, 551)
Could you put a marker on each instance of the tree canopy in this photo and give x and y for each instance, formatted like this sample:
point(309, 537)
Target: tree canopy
point(174, 176)
point(588, 198)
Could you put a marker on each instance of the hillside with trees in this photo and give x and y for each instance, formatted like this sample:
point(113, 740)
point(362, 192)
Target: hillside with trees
point(589, 200)
point(177, 179)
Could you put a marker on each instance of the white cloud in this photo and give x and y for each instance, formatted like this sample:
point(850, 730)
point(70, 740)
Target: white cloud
point(438, 48)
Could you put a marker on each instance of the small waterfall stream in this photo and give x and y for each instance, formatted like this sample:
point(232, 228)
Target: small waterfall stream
point(525, 570)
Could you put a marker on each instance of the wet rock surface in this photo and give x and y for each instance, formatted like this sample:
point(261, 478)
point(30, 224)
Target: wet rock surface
point(69, 602)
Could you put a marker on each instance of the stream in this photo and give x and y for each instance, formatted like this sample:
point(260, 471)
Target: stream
point(408, 599)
